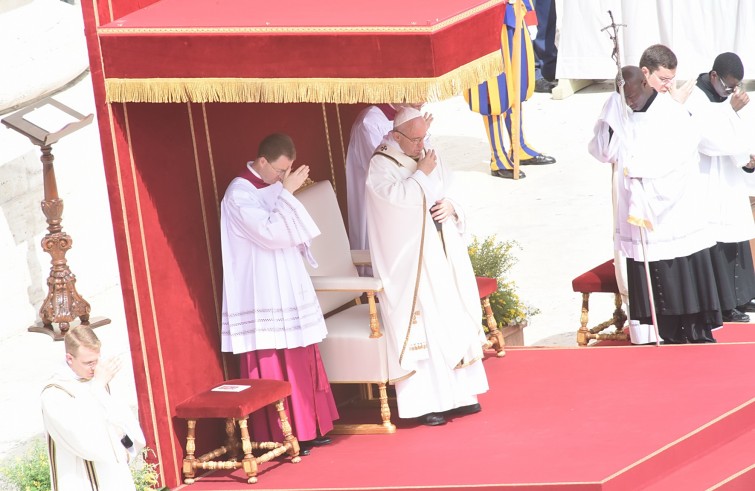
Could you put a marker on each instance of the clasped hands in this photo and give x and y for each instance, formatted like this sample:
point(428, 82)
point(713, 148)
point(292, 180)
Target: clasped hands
point(293, 179)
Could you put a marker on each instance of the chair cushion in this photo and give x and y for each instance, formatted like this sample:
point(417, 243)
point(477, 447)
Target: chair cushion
point(209, 404)
point(599, 279)
point(486, 286)
point(349, 353)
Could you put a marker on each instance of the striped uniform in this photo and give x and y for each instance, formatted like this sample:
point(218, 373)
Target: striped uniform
point(492, 98)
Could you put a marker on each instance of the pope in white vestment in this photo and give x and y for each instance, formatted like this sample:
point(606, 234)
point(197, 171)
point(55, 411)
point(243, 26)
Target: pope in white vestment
point(85, 426)
point(430, 306)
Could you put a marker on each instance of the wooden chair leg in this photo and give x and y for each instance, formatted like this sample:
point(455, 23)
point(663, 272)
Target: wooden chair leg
point(231, 441)
point(288, 438)
point(188, 463)
point(249, 463)
point(385, 410)
point(583, 334)
point(495, 336)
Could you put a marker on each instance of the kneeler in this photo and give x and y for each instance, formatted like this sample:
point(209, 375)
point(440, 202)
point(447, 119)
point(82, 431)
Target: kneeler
point(601, 279)
point(486, 287)
point(235, 408)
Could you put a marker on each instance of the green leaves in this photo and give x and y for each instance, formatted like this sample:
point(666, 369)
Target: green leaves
point(494, 259)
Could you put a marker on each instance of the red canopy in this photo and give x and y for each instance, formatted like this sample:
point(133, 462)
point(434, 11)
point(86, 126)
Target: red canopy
point(291, 51)
point(168, 165)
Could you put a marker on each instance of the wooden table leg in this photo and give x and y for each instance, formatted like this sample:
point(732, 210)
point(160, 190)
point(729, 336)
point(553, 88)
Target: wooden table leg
point(188, 464)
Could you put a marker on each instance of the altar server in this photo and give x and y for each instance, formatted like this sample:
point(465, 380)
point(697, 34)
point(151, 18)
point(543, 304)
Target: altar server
point(726, 147)
point(271, 315)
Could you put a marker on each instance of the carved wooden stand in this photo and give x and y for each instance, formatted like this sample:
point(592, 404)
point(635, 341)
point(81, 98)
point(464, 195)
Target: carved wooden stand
point(63, 304)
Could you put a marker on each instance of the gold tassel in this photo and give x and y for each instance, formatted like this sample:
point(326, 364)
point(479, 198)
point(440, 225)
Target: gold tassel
point(328, 90)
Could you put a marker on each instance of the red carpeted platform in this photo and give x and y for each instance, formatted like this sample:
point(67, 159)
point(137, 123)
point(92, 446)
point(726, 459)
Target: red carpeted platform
point(597, 418)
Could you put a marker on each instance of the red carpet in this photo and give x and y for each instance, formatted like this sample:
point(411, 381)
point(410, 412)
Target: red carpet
point(597, 418)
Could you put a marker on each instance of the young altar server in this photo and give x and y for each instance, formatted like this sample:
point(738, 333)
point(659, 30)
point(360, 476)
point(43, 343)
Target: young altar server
point(271, 315)
point(91, 435)
point(430, 306)
point(726, 147)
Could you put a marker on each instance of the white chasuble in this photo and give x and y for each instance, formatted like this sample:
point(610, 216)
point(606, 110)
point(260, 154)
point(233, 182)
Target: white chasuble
point(268, 298)
point(84, 426)
point(430, 306)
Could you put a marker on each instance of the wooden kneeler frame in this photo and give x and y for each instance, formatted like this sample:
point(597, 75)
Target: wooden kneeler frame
point(236, 408)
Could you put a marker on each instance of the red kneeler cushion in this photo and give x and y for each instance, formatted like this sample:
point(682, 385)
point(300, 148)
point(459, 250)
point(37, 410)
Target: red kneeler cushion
point(209, 404)
point(599, 279)
point(486, 286)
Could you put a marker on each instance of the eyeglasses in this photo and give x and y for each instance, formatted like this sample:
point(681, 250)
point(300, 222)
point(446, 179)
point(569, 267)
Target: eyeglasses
point(726, 88)
point(663, 80)
point(413, 140)
point(280, 172)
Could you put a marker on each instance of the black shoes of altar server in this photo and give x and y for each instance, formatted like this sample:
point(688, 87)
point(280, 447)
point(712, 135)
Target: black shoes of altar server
point(437, 419)
point(305, 446)
point(748, 307)
point(734, 315)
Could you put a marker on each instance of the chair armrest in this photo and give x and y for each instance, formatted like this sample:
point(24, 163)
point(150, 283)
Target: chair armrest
point(347, 283)
point(361, 257)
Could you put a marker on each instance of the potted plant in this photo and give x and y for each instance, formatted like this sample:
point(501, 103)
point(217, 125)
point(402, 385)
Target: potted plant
point(494, 259)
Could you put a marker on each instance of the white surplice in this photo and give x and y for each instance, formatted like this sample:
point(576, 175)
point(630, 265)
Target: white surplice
point(605, 146)
point(268, 298)
point(85, 425)
point(367, 132)
point(663, 181)
point(725, 147)
point(433, 325)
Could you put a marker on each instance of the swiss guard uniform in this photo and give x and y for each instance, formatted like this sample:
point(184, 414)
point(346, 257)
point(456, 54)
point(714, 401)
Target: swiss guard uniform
point(493, 98)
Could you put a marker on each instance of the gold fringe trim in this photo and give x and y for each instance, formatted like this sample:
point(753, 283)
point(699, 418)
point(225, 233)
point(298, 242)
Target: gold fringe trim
point(319, 90)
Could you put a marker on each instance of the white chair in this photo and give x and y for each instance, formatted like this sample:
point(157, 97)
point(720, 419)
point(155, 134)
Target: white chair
point(354, 351)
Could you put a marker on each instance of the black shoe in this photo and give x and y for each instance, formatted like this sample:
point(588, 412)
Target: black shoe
point(317, 442)
point(544, 86)
point(303, 452)
point(432, 419)
point(538, 160)
point(506, 173)
point(464, 410)
point(748, 307)
point(734, 315)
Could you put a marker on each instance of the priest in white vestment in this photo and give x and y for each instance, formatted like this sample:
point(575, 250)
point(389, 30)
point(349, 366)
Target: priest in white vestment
point(91, 435)
point(663, 187)
point(271, 315)
point(726, 148)
point(430, 306)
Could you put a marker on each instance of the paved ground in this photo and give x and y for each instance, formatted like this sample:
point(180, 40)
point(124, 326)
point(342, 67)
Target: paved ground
point(559, 214)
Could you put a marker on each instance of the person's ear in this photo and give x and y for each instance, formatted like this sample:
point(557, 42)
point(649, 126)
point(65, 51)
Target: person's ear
point(645, 71)
point(394, 135)
point(69, 359)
